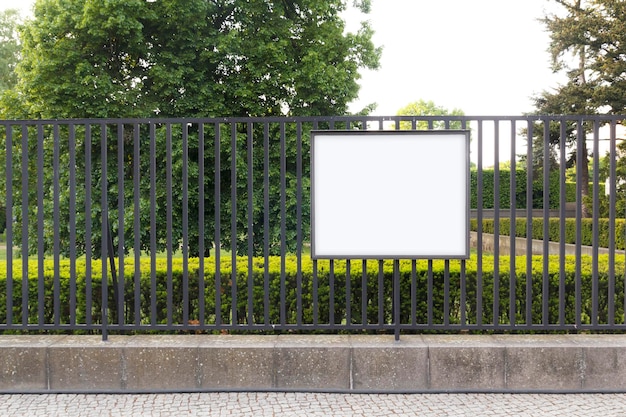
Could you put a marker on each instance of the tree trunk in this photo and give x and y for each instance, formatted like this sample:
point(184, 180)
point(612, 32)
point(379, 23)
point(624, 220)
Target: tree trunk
point(584, 165)
point(583, 177)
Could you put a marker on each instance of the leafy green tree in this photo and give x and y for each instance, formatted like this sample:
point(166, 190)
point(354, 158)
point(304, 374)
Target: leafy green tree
point(572, 53)
point(9, 47)
point(538, 148)
point(9, 57)
point(186, 58)
point(191, 58)
point(428, 108)
point(588, 43)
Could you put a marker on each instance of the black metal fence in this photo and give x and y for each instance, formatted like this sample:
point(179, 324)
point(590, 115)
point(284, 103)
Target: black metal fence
point(203, 225)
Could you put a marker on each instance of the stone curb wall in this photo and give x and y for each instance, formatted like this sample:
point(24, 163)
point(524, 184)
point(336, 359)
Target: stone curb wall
point(346, 363)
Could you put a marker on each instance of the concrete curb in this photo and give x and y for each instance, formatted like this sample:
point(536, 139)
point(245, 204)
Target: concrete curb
point(554, 248)
point(346, 363)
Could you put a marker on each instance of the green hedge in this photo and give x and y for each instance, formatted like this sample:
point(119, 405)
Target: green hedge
point(473, 280)
point(504, 197)
point(488, 183)
point(554, 225)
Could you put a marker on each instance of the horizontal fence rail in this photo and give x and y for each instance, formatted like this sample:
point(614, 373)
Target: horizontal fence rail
point(203, 225)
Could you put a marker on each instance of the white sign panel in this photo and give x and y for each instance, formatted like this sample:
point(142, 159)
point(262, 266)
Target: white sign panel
point(390, 194)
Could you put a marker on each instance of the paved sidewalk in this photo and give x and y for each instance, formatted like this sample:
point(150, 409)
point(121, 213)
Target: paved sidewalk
point(312, 404)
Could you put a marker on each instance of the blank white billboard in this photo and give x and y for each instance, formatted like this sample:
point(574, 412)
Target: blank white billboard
point(390, 194)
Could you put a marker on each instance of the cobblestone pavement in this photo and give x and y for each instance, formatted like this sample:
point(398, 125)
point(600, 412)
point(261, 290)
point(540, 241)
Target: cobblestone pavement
point(312, 404)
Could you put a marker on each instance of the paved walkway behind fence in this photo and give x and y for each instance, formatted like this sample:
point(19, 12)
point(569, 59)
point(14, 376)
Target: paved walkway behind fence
point(312, 404)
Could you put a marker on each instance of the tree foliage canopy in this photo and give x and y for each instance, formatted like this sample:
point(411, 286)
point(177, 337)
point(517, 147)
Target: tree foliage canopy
point(588, 43)
point(428, 108)
point(9, 48)
point(136, 58)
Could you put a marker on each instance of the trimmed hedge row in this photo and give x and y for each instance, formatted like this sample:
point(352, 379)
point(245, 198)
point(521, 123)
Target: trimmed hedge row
point(375, 285)
point(504, 193)
point(554, 224)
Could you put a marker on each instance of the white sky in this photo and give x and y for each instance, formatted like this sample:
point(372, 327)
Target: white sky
point(486, 57)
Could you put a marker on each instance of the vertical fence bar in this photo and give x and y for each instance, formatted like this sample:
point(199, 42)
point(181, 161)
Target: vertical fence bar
point(623, 316)
point(580, 137)
point(446, 293)
point(463, 284)
point(595, 227)
point(479, 230)
point(348, 293)
point(299, 227)
point(612, 212)
point(381, 294)
point(562, 219)
point(250, 183)
point(185, 249)
point(201, 226)
point(218, 210)
point(429, 294)
point(233, 221)
point(496, 224)
point(41, 296)
point(314, 291)
point(283, 223)
point(56, 225)
point(266, 222)
point(115, 313)
point(88, 228)
point(315, 282)
point(25, 225)
point(529, 224)
point(9, 223)
point(396, 298)
point(104, 231)
point(153, 227)
point(364, 300)
point(72, 219)
point(169, 222)
point(331, 294)
point(512, 227)
point(136, 220)
point(414, 293)
point(463, 281)
point(119, 291)
point(546, 223)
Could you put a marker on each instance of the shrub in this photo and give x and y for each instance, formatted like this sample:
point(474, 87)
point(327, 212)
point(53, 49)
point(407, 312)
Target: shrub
point(504, 189)
point(287, 278)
